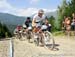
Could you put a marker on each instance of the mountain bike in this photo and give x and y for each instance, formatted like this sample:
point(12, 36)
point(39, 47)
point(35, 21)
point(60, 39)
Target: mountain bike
point(44, 37)
point(29, 33)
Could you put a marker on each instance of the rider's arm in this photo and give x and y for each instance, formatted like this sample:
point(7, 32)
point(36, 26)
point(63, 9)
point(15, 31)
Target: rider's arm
point(33, 22)
point(30, 21)
point(46, 21)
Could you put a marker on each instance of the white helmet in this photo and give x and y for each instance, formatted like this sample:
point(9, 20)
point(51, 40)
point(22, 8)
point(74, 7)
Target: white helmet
point(40, 11)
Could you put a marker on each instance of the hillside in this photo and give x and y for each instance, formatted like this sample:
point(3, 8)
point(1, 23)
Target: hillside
point(11, 21)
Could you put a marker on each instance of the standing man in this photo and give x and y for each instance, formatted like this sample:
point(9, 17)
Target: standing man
point(73, 23)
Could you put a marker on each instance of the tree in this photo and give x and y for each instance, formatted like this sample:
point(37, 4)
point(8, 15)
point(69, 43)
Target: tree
point(4, 32)
point(66, 9)
point(72, 7)
point(52, 22)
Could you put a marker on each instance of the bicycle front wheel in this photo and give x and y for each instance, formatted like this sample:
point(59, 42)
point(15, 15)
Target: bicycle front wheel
point(49, 40)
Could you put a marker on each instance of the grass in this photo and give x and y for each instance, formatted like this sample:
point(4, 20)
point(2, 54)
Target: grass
point(59, 33)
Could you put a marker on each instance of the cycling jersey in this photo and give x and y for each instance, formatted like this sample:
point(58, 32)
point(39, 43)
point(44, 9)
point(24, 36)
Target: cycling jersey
point(38, 20)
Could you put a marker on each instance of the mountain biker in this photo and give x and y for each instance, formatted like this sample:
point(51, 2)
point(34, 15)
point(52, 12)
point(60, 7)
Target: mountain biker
point(38, 19)
point(28, 21)
point(19, 27)
point(49, 26)
point(37, 22)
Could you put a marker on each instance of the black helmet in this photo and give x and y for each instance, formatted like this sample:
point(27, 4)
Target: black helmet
point(28, 18)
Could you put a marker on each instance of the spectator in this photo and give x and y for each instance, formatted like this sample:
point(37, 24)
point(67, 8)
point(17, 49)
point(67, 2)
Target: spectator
point(63, 24)
point(67, 25)
point(73, 23)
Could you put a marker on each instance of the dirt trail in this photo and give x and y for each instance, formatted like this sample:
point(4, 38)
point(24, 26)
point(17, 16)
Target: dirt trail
point(4, 48)
point(65, 45)
point(65, 48)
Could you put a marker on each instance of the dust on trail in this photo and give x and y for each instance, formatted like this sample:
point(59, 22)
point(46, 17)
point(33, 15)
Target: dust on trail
point(65, 46)
point(4, 48)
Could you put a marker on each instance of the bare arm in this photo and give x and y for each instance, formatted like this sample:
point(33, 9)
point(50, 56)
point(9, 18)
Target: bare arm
point(33, 22)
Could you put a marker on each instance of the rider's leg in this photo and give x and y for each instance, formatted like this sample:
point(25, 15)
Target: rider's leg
point(35, 29)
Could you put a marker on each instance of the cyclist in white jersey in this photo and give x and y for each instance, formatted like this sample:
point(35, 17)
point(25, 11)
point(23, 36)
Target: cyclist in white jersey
point(39, 23)
point(38, 19)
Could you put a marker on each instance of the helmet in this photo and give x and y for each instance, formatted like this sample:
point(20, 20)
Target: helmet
point(40, 11)
point(24, 26)
point(28, 18)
